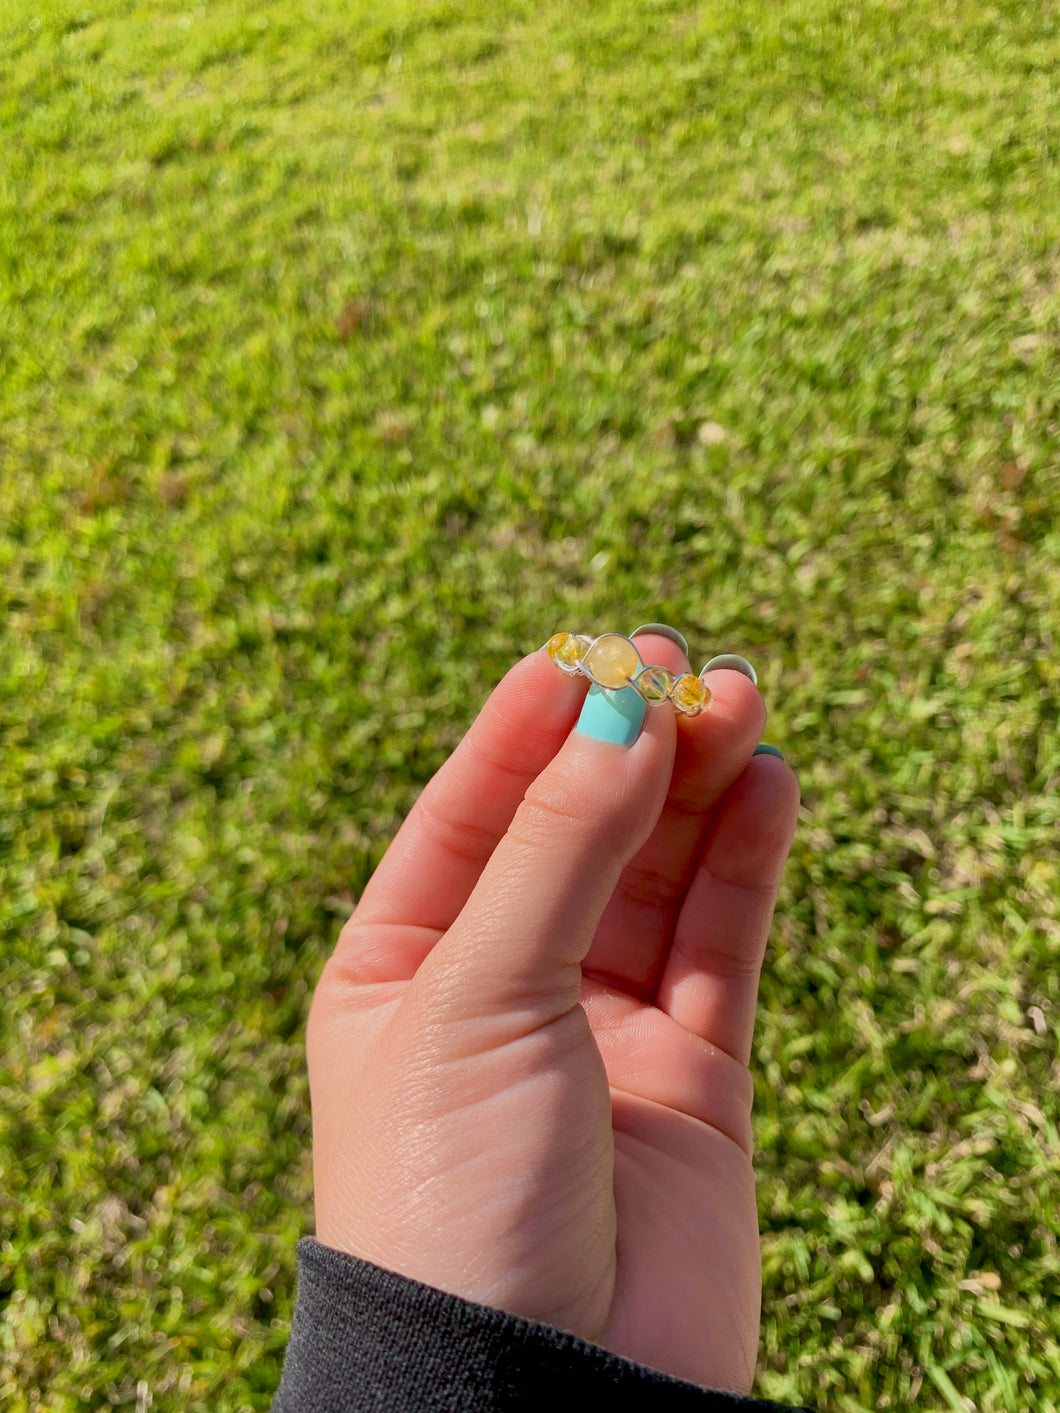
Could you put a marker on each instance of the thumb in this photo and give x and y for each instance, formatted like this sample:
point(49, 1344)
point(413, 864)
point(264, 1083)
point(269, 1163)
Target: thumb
point(514, 952)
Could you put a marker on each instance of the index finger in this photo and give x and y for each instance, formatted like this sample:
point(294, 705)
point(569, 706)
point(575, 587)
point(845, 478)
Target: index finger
point(431, 867)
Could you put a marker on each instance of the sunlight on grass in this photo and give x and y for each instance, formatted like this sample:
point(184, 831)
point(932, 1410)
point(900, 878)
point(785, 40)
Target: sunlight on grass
point(347, 353)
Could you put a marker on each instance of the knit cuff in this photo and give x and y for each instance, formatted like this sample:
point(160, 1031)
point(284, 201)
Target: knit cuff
point(364, 1338)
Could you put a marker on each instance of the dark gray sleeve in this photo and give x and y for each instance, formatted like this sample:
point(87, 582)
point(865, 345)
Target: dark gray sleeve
point(365, 1340)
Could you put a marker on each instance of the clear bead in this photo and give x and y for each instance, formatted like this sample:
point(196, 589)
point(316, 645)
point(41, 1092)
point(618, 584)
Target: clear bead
point(654, 683)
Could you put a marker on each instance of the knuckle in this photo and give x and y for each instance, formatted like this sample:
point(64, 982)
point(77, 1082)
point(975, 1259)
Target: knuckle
point(552, 805)
point(463, 839)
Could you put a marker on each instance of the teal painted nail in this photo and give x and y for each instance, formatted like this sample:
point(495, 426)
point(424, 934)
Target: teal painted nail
point(763, 750)
point(612, 716)
point(664, 630)
point(733, 663)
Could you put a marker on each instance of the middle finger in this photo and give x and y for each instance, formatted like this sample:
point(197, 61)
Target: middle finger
point(633, 940)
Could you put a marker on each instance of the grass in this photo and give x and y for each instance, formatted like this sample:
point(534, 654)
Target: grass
point(345, 353)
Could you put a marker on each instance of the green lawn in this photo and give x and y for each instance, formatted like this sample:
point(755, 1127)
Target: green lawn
point(348, 351)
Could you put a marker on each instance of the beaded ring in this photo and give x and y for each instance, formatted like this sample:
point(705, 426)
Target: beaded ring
point(613, 662)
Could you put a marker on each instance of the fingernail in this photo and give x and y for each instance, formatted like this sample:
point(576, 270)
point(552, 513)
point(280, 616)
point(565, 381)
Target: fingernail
point(733, 663)
point(612, 716)
point(665, 631)
point(763, 750)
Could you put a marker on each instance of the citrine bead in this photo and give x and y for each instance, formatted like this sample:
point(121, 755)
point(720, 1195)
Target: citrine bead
point(612, 661)
point(690, 694)
point(566, 649)
point(654, 683)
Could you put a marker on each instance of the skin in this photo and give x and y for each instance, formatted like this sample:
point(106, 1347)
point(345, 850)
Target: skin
point(528, 1053)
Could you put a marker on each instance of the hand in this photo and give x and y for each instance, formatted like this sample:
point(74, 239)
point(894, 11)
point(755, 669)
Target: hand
point(528, 1053)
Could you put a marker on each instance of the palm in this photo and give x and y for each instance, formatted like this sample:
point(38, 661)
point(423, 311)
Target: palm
point(642, 1236)
point(586, 1165)
point(687, 1285)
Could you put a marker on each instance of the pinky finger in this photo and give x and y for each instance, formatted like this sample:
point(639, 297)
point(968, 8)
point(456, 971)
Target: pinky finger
point(710, 982)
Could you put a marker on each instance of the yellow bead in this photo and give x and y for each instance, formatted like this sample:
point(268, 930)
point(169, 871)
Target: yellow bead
point(654, 683)
point(574, 651)
point(690, 694)
point(612, 661)
point(566, 649)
